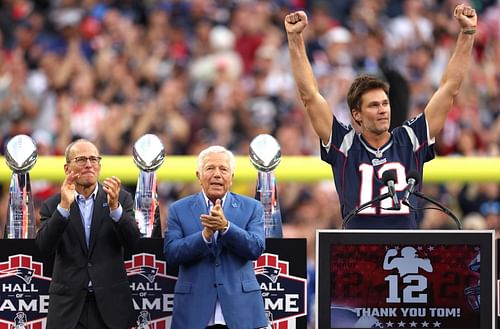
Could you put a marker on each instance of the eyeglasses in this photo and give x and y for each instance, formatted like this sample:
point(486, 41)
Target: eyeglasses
point(82, 161)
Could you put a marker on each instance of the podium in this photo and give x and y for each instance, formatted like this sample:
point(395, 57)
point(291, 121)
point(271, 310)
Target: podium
point(406, 279)
point(25, 276)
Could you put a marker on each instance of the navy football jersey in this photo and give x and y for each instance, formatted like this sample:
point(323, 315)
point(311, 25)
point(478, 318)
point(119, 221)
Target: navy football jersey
point(358, 169)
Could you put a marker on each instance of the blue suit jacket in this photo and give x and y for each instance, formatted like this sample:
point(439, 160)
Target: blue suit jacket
point(223, 269)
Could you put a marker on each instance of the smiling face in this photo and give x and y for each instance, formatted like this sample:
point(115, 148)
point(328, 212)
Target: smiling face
point(215, 175)
point(89, 171)
point(375, 113)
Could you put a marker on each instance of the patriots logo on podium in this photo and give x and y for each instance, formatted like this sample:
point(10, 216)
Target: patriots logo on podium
point(270, 272)
point(25, 274)
point(148, 272)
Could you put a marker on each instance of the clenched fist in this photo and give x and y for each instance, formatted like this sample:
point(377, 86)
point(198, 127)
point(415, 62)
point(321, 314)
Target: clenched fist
point(295, 22)
point(465, 15)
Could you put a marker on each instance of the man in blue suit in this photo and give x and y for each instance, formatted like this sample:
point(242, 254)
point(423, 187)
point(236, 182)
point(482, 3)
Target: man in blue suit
point(213, 236)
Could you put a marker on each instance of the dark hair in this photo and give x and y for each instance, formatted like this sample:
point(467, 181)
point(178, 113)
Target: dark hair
point(360, 86)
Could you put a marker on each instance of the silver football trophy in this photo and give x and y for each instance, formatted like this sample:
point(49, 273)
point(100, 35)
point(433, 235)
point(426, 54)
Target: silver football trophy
point(265, 155)
point(148, 154)
point(20, 156)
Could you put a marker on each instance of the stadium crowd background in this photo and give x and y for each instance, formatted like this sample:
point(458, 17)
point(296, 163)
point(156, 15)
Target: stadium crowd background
point(203, 72)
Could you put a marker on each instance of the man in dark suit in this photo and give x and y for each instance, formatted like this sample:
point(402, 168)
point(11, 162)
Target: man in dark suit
point(213, 236)
point(86, 227)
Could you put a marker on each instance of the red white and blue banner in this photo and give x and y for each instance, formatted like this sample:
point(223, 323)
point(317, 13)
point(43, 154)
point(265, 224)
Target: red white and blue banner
point(285, 295)
point(25, 277)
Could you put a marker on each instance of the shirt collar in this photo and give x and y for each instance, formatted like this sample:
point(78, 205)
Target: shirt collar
point(93, 195)
point(207, 200)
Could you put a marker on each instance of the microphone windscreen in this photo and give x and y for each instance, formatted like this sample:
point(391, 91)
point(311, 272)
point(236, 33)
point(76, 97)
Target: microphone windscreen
point(413, 174)
point(388, 176)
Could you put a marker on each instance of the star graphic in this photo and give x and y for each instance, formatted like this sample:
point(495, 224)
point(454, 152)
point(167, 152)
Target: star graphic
point(413, 324)
point(379, 325)
point(389, 324)
point(437, 324)
point(420, 248)
point(425, 324)
point(431, 248)
point(401, 324)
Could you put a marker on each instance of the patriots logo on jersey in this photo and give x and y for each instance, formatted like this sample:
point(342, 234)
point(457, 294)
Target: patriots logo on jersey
point(270, 272)
point(26, 274)
point(346, 126)
point(412, 120)
point(148, 272)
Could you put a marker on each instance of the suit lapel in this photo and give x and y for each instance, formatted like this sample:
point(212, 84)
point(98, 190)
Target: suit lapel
point(74, 213)
point(231, 207)
point(99, 211)
point(198, 207)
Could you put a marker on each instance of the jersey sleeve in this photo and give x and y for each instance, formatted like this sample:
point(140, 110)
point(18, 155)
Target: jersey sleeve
point(341, 138)
point(417, 130)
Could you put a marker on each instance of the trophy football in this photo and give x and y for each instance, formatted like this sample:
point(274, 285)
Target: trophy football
point(148, 154)
point(20, 156)
point(265, 155)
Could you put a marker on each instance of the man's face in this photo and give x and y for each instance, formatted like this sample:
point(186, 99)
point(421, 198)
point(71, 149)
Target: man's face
point(215, 177)
point(375, 114)
point(82, 160)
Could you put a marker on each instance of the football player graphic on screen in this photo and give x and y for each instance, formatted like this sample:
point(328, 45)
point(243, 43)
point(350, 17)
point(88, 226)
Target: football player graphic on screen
point(409, 263)
point(472, 293)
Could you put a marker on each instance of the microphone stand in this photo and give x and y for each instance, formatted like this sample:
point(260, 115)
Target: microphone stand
point(447, 211)
point(365, 205)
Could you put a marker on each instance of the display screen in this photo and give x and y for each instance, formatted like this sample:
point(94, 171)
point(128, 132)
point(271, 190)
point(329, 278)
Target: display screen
point(405, 280)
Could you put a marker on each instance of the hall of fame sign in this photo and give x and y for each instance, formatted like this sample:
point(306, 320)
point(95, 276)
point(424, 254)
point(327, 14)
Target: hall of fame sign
point(285, 296)
point(24, 298)
point(152, 291)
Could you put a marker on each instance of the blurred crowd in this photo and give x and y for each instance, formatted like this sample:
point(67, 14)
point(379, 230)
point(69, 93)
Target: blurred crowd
point(204, 72)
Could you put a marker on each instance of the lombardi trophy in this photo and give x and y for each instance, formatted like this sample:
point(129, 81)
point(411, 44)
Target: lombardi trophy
point(148, 154)
point(20, 156)
point(265, 155)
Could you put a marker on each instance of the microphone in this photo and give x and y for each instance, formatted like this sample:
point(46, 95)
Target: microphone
point(389, 178)
point(362, 207)
point(441, 207)
point(410, 188)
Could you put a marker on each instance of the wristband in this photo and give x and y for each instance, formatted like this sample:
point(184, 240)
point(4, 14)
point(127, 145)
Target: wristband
point(469, 30)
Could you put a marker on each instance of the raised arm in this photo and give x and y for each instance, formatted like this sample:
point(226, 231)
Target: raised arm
point(440, 103)
point(316, 106)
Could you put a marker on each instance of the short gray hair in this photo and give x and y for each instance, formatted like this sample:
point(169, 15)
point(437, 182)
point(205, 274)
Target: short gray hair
point(67, 151)
point(216, 149)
